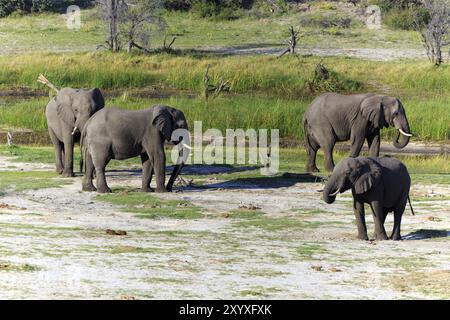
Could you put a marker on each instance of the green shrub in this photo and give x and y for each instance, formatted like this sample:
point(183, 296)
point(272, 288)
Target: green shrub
point(406, 19)
point(217, 9)
point(328, 20)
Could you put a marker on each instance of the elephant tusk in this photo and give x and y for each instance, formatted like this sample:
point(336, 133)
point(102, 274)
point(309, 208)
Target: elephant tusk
point(186, 146)
point(404, 133)
point(74, 130)
point(334, 194)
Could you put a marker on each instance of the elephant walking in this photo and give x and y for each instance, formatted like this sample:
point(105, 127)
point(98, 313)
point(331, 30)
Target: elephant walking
point(383, 183)
point(122, 134)
point(67, 114)
point(334, 117)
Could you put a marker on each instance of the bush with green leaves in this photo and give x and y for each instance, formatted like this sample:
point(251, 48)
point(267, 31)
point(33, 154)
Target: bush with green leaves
point(406, 19)
point(8, 7)
point(403, 14)
point(328, 20)
point(217, 9)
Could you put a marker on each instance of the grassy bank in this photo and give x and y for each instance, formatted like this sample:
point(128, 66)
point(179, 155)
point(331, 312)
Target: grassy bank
point(243, 112)
point(262, 74)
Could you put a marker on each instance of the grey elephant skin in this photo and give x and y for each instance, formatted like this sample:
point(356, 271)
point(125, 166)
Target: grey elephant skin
point(383, 183)
point(334, 117)
point(122, 134)
point(67, 114)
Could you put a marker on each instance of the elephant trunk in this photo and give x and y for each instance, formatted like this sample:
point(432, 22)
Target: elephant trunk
point(331, 190)
point(173, 177)
point(403, 135)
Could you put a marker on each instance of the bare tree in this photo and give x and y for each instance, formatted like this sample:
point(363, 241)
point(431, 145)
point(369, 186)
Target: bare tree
point(139, 21)
point(436, 34)
point(130, 23)
point(110, 12)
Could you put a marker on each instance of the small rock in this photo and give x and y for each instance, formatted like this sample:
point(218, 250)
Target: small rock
point(317, 268)
point(335, 270)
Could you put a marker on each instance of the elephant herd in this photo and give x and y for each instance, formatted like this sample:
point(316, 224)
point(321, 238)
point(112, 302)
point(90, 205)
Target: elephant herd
point(106, 133)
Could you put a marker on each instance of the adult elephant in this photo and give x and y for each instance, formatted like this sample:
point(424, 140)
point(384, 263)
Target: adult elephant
point(334, 117)
point(67, 114)
point(122, 134)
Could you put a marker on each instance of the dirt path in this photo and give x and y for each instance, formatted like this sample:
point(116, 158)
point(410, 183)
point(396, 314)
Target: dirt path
point(375, 54)
point(53, 244)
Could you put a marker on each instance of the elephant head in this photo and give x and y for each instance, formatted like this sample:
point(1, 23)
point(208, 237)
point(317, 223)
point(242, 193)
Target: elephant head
point(385, 111)
point(76, 106)
point(168, 120)
point(359, 174)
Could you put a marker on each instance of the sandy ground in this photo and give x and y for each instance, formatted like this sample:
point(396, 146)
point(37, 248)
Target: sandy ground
point(53, 244)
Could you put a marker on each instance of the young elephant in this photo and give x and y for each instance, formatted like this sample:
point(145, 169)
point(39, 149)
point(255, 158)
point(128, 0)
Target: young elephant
point(383, 183)
point(122, 134)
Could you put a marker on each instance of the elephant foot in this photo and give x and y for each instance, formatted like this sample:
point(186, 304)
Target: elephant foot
point(161, 190)
point(68, 174)
point(396, 237)
point(147, 189)
point(59, 171)
point(89, 187)
point(104, 190)
point(363, 237)
point(312, 169)
point(381, 237)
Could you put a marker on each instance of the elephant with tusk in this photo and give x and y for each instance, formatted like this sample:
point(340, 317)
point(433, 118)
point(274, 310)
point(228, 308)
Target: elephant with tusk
point(383, 183)
point(334, 117)
point(122, 134)
point(66, 115)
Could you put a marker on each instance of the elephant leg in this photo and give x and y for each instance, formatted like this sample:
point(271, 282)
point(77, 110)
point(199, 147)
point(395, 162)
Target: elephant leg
point(373, 142)
point(398, 213)
point(87, 184)
point(159, 166)
point(68, 157)
point(147, 173)
point(328, 157)
point(358, 207)
point(100, 160)
point(58, 151)
point(378, 218)
point(383, 218)
point(357, 141)
point(311, 149)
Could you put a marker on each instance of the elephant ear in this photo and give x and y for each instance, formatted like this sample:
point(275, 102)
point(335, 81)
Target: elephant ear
point(372, 111)
point(369, 177)
point(98, 98)
point(64, 107)
point(163, 120)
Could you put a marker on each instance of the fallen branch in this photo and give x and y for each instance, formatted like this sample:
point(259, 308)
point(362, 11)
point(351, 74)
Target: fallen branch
point(212, 88)
point(168, 47)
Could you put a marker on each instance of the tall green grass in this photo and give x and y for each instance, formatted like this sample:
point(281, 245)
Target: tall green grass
point(429, 120)
point(263, 74)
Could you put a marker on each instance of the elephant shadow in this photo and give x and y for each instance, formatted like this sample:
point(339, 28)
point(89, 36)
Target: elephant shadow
point(426, 234)
point(258, 182)
point(284, 181)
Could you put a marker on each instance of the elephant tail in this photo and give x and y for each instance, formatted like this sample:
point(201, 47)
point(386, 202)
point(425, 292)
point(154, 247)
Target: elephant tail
point(306, 133)
point(410, 206)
